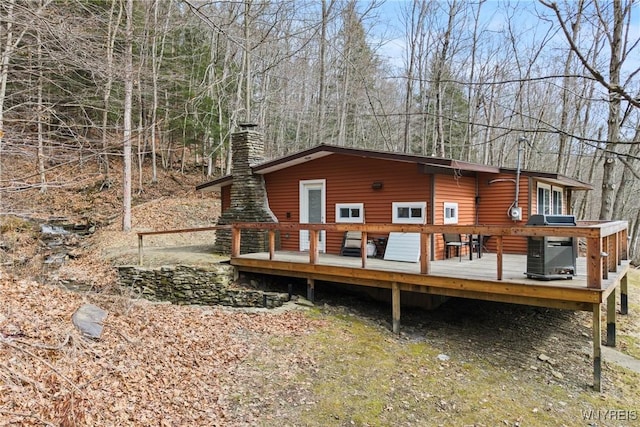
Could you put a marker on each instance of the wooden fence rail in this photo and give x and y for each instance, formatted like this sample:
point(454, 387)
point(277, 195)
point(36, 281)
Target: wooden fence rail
point(141, 234)
point(606, 240)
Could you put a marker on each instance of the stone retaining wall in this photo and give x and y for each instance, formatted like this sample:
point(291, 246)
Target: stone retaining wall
point(183, 284)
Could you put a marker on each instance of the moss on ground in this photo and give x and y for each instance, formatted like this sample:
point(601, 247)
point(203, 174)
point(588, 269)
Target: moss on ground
point(368, 377)
point(353, 370)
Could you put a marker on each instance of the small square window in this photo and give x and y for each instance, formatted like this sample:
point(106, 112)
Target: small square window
point(350, 212)
point(409, 212)
point(450, 213)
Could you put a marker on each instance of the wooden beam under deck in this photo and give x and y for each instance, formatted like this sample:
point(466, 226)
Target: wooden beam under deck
point(447, 280)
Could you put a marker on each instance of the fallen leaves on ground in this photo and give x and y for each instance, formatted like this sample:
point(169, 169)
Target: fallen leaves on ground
point(155, 363)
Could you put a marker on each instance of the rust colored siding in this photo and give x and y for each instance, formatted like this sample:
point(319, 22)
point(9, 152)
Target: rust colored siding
point(225, 196)
point(497, 193)
point(460, 190)
point(348, 180)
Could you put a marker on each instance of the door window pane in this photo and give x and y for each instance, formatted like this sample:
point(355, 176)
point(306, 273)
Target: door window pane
point(315, 205)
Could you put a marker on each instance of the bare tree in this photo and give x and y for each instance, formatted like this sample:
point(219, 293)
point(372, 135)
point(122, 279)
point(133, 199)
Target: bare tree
point(614, 19)
point(127, 130)
point(112, 31)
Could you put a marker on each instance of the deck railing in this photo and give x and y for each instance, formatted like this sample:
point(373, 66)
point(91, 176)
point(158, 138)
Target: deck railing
point(606, 241)
point(141, 235)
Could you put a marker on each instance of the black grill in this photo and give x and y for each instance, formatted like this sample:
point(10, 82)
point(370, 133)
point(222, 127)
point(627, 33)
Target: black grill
point(549, 257)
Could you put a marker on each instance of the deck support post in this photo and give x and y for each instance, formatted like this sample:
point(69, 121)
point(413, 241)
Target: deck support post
point(139, 249)
point(597, 348)
point(624, 295)
point(395, 307)
point(311, 285)
point(611, 319)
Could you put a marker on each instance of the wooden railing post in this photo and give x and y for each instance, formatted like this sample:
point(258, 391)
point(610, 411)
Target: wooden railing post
point(623, 245)
point(363, 249)
point(605, 258)
point(313, 246)
point(499, 255)
point(613, 256)
point(424, 253)
point(272, 244)
point(235, 241)
point(594, 262)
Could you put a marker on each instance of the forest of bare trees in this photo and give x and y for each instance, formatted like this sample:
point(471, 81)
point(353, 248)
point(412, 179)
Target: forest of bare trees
point(166, 81)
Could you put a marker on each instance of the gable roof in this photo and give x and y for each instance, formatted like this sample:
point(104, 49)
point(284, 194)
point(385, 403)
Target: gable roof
point(427, 163)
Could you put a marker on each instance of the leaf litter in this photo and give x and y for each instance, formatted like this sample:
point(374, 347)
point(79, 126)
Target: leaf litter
point(155, 363)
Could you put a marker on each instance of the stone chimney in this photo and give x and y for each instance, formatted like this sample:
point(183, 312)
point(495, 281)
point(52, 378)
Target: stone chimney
point(249, 201)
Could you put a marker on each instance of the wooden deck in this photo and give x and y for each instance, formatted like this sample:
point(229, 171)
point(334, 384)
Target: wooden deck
point(495, 276)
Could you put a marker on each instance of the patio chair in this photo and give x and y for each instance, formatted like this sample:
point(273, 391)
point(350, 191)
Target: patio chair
point(454, 241)
point(351, 244)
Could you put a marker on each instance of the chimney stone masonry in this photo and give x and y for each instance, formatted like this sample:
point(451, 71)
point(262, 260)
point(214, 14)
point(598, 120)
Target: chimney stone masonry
point(249, 201)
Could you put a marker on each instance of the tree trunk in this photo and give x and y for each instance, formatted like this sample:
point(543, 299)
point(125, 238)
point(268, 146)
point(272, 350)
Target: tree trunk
point(128, 95)
point(112, 31)
point(613, 120)
point(567, 82)
point(4, 72)
point(40, 113)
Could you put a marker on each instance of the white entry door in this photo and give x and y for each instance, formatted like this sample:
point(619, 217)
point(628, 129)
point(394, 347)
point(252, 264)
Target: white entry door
point(312, 210)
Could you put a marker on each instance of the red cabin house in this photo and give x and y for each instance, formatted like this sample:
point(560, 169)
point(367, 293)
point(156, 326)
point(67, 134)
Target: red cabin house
point(331, 184)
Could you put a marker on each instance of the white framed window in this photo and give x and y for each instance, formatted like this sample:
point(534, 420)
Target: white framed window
point(409, 212)
point(450, 213)
point(350, 212)
point(556, 201)
point(544, 199)
point(550, 200)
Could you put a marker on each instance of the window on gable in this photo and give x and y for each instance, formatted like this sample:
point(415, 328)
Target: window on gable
point(409, 212)
point(450, 213)
point(350, 212)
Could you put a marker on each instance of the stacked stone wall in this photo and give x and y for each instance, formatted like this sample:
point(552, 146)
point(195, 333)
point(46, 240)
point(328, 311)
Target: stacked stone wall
point(249, 201)
point(182, 284)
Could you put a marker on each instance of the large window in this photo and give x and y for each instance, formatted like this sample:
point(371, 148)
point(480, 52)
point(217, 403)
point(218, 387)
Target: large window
point(450, 213)
point(350, 212)
point(409, 212)
point(549, 200)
